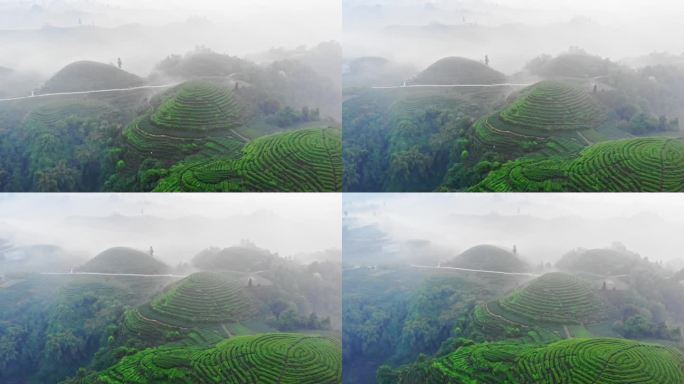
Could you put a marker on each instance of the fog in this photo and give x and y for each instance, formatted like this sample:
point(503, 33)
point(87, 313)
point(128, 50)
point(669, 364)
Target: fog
point(543, 227)
point(510, 32)
point(177, 226)
point(44, 35)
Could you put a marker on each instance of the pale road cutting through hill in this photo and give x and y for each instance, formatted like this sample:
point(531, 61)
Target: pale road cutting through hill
point(132, 274)
point(478, 270)
point(498, 272)
point(455, 85)
point(110, 274)
point(89, 92)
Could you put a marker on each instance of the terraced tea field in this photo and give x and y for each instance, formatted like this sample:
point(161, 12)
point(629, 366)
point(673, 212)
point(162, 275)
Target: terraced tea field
point(544, 306)
point(549, 118)
point(609, 361)
point(198, 117)
point(203, 297)
point(488, 257)
point(554, 298)
point(576, 361)
point(262, 359)
point(635, 165)
point(203, 300)
point(197, 106)
point(552, 106)
point(303, 160)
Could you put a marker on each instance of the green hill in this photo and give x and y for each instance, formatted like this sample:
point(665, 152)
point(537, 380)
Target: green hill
point(488, 257)
point(551, 106)
point(458, 70)
point(197, 308)
point(196, 106)
point(548, 118)
point(556, 298)
point(262, 359)
point(237, 258)
point(635, 165)
point(201, 63)
point(195, 118)
point(572, 65)
point(541, 311)
point(606, 261)
point(575, 361)
point(124, 260)
point(89, 76)
point(302, 160)
point(202, 297)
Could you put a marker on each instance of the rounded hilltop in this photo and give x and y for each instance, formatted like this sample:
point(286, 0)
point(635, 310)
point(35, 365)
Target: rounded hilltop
point(555, 298)
point(197, 105)
point(90, 76)
point(488, 257)
point(124, 260)
point(458, 70)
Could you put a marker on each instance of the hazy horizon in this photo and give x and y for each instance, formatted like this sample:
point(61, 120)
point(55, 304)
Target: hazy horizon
point(542, 226)
point(176, 225)
point(45, 35)
point(510, 32)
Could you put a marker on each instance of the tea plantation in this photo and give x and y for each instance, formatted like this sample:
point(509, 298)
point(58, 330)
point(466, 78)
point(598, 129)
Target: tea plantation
point(267, 358)
point(540, 310)
point(635, 165)
point(201, 301)
point(302, 160)
point(548, 118)
point(576, 361)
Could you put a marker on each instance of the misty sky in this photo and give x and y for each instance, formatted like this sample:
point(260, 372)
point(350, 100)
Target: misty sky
point(177, 225)
point(44, 35)
point(511, 32)
point(493, 12)
point(544, 226)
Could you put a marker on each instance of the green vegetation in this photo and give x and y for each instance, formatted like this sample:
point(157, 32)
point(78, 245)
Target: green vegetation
point(488, 257)
point(202, 297)
point(52, 325)
point(303, 160)
point(407, 139)
point(197, 118)
point(571, 64)
point(600, 360)
point(606, 261)
point(199, 303)
point(244, 258)
point(548, 118)
point(540, 310)
point(88, 76)
point(636, 165)
point(391, 315)
point(196, 106)
point(124, 260)
point(268, 358)
point(458, 70)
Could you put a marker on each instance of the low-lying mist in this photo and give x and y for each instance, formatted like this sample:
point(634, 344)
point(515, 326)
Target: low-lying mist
point(510, 33)
point(43, 36)
point(428, 229)
point(177, 227)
